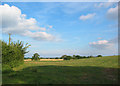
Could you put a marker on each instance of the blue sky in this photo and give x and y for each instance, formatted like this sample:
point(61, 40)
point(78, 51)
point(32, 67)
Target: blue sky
point(84, 28)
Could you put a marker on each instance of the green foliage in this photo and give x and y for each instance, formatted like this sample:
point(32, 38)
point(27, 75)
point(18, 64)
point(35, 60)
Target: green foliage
point(0, 51)
point(65, 57)
point(77, 57)
point(35, 56)
point(27, 58)
point(20, 45)
point(73, 57)
point(99, 56)
point(12, 54)
point(6, 68)
point(56, 58)
point(41, 58)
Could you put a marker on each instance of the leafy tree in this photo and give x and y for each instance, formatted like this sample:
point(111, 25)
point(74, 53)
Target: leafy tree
point(68, 58)
point(20, 45)
point(84, 57)
point(77, 56)
point(56, 58)
point(41, 58)
point(11, 55)
point(90, 56)
point(99, 55)
point(35, 56)
point(64, 56)
point(74, 57)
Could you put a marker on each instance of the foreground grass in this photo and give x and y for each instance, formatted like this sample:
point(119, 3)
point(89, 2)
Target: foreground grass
point(102, 70)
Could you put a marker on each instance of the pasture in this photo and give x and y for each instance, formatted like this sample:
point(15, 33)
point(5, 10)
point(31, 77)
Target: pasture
point(100, 70)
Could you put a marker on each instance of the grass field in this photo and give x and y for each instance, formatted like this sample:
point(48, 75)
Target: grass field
point(100, 70)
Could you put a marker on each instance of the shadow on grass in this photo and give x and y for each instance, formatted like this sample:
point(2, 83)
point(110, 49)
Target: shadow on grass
point(61, 75)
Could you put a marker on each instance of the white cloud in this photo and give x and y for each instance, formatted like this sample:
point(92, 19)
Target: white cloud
point(13, 21)
point(106, 4)
point(43, 29)
point(50, 26)
point(112, 13)
point(104, 44)
point(100, 42)
point(39, 35)
point(99, 38)
point(88, 16)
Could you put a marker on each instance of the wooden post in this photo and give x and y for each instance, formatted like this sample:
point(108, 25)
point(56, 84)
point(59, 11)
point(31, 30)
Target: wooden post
point(9, 38)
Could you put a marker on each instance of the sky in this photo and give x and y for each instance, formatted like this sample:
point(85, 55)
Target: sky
point(54, 29)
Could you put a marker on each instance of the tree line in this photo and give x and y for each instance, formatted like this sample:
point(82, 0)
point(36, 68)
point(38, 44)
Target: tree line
point(36, 56)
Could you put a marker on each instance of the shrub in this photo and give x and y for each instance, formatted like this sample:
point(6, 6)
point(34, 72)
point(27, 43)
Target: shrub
point(6, 68)
point(12, 54)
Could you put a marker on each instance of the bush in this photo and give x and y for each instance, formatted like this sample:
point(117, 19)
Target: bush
point(6, 68)
point(12, 54)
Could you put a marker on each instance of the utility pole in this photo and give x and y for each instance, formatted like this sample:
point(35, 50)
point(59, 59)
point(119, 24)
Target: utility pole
point(9, 38)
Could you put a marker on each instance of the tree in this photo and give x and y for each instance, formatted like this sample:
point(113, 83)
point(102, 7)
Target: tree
point(68, 58)
point(20, 45)
point(65, 57)
point(56, 58)
point(11, 55)
point(77, 57)
point(99, 55)
point(74, 57)
point(35, 56)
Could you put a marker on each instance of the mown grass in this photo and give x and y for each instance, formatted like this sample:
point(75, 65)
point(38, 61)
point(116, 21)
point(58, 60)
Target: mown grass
point(100, 70)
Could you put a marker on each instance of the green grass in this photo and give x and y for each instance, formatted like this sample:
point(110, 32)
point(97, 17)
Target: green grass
point(100, 70)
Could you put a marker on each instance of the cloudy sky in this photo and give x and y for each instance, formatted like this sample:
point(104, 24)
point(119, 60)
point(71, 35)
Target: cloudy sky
point(57, 28)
